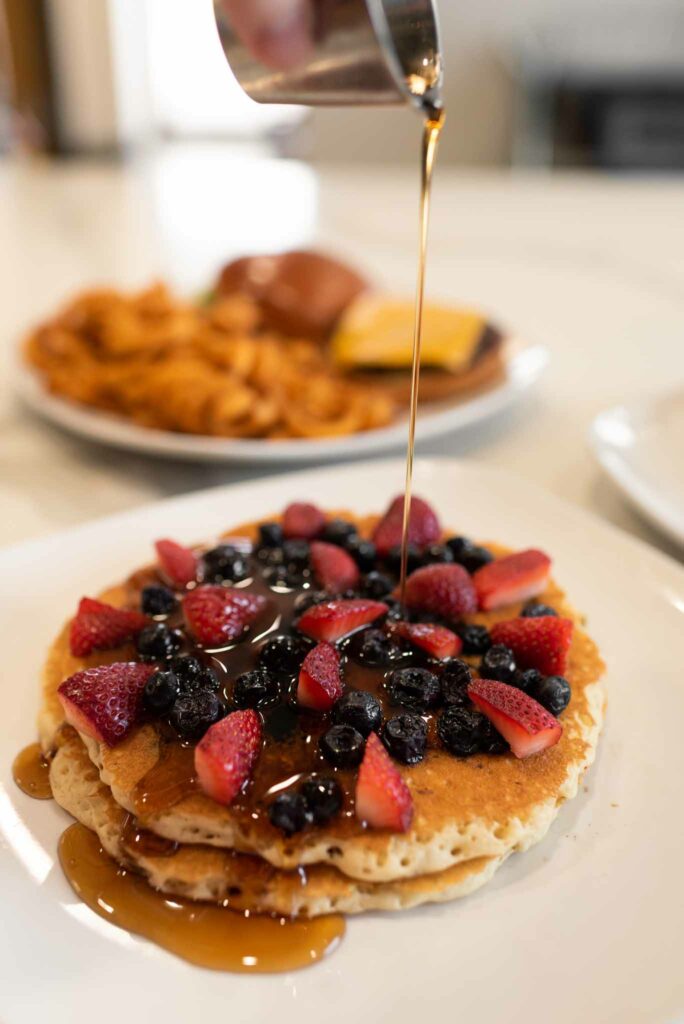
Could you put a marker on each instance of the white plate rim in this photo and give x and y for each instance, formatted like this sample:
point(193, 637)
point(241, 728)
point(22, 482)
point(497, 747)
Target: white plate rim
point(645, 498)
point(525, 362)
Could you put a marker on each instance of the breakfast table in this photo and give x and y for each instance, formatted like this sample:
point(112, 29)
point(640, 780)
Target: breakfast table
point(590, 266)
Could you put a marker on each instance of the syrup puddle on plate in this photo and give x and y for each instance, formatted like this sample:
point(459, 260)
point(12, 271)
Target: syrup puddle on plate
point(202, 933)
point(31, 772)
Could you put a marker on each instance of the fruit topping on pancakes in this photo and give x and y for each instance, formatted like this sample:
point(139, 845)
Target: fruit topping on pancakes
point(333, 568)
point(333, 620)
point(218, 615)
point(178, 563)
point(542, 643)
point(99, 627)
point(512, 578)
point(226, 754)
point(320, 683)
point(424, 528)
point(306, 686)
point(438, 641)
point(383, 799)
point(445, 590)
point(105, 702)
point(523, 722)
point(302, 520)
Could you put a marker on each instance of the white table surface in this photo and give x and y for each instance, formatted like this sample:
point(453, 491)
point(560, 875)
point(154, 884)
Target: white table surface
point(592, 267)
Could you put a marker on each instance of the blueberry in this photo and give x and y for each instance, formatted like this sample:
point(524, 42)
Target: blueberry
point(462, 731)
point(414, 688)
point(363, 552)
point(193, 713)
point(405, 736)
point(158, 642)
point(224, 563)
point(296, 554)
point(343, 746)
point(393, 559)
point(476, 558)
point(338, 531)
point(193, 675)
point(528, 680)
point(454, 682)
point(360, 709)
point(491, 742)
point(471, 556)
point(160, 693)
point(476, 639)
point(437, 553)
point(252, 689)
point(208, 679)
point(188, 671)
point(323, 799)
point(270, 535)
point(553, 693)
point(376, 585)
point(288, 812)
point(373, 647)
point(157, 600)
point(534, 610)
point(283, 654)
point(459, 546)
point(498, 663)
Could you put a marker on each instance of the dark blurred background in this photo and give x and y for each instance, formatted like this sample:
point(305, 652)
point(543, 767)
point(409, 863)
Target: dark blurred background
point(548, 83)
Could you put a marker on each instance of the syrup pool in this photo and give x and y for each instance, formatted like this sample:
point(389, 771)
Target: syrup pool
point(201, 933)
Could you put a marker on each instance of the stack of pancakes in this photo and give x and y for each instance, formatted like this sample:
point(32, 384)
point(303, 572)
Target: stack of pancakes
point(470, 813)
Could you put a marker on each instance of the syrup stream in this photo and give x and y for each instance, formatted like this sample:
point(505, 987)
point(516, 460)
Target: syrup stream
point(434, 123)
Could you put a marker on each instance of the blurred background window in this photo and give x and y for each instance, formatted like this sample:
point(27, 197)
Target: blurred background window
point(552, 83)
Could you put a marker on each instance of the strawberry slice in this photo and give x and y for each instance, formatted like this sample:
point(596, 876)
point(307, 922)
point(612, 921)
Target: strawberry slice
point(178, 563)
point(218, 615)
point(320, 683)
point(541, 643)
point(99, 627)
point(445, 590)
point(424, 527)
point(302, 520)
point(105, 702)
point(332, 620)
point(438, 641)
point(227, 753)
point(512, 578)
point(522, 721)
point(333, 567)
point(383, 799)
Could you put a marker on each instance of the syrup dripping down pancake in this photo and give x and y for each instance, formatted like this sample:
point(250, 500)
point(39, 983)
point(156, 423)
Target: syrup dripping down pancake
point(246, 882)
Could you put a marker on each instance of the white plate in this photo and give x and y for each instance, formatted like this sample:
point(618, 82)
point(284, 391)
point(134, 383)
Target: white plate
point(524, 365)
point(587, 926)
point(641, 446)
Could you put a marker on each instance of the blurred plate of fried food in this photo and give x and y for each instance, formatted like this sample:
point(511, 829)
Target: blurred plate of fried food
point(287, 358)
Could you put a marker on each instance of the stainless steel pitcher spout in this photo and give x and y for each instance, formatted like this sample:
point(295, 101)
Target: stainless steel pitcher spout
point(365, 52)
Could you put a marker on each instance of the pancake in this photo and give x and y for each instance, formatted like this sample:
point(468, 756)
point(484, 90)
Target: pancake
point(481, 806)
point(245, 882)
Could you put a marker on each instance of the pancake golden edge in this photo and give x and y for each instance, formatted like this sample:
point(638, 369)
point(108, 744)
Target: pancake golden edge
point(481, 806)
point(245, 882)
